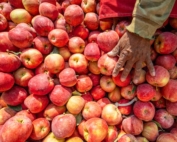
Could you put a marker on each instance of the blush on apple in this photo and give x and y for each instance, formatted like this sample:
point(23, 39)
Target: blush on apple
point(91, 21)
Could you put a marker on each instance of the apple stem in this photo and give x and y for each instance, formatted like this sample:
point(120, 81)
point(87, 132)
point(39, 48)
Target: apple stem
point(55, 51)
point(76, 93)
point(127, 104)
point(15, 53)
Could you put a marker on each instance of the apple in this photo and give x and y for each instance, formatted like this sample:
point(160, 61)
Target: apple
point(64, 52)
point(76, 44)
point(112, 134)
point(160, 103)
point(32, 6)
point(153, 54)
point(93, 67)
point(65, 4)
point(78, 62)
point(6, 82)
point(128, 92)
point(92, 37)
point(6, 113)
point(144, 110)
point(60, 22)
point(164, 118)
point(16, 4)
point(95, 129)
point(78, 17)
point(87, 96)
point(125, 110)
point(127, 138)
point(97, 92)
point(165, 43)
point(121, 27)
point(145, 92)
point(173, 72)
point(2, 103)
point(103, 102)
point(42, 25)
point(50, 1)
point(73, 106)
point(95, 78)
point(107, 40)
point(81, 31)
point(88, 6)
point(174, 53)
point(164, 137)
point(107, 83)
point(141, 78)
point(66, 123)
point(170, 107)
point(11, 127)
point(106, 64)
point(42, 44)
point(3, 23)
point(114, 95)
point(106, 24)
point(91, 21)
point(174, 131)
point(173, 22)
point(141, 139)
point(157, 95)
point(51, 138)
point(41, 128)
point(42, 69)
point(15, 96)
point(59, 91)
point(26, 112)
point(91, 109)
point(6, 9)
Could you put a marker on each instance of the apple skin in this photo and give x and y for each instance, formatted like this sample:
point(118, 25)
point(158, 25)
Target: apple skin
point(164, 137)
point(3, 23)
point(6, 82)
point(121, 27)
point(127, 138)
point(61, 121)
point(51, 138)
point(173, 22)
point(164, 118)
point(103, 102)
point(95, 78)
point(81, 31)
point(40, 84)
point(106, 24)
point(78, 17)
point(58, 92)
point(50, 1)
point(15, 96)
point(107, 83)
point(173, 72)
point(160, 103)
point(112, 134)
point(141, 139)
point(87, 97)
point(114, 95)
point(26, 112)
point(41, 128)
point(107, 40)
point(65, 53)
point(171, 107)
point(165, 43)
point(125, 110)
point(93, 67)
point(91, 21)
point(32, 6)
point(97, 92)
point(6, 113)
point(9, 62)
point(92, 37)
point(95, 129)
point(88, 6)
point(128, 92)
point(91, 109)
point(16, 4)
point(169, 90)
point(6, 9)
point(11, 127)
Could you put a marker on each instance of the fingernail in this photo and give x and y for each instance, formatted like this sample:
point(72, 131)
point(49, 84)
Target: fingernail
point(122, 79)
point(153, 73)
point(135, 81)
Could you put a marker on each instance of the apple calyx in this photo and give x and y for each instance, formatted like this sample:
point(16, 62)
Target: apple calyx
point(127, 104)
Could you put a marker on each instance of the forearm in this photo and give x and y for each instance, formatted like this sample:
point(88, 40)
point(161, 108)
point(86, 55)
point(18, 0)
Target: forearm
point(149, 15)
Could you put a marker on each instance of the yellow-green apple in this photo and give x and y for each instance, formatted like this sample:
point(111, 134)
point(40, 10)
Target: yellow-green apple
point(92, 52)
point(166, 137)
point(158, 94)
point(78, 62)
point(87, 96)
point(106, 64)
point(6, 9)
point(76, 44)
point(84, 83)
point(103, 102)
point(52, 110)
point(6, 82)
point(58, 37)
point(15, 96)
point(32, 6)
point(95, 129)
point(48, 10)
point(41, 128)
point(165, 43)
point(3, 23)
point(6, 43)
point(9, 62)
point(128, 92)
point(121, 27)
point(118, 81)
point(114, 95)
point(40, 84)
point(167, 61)
point(91, 109)
point(144, 110)
point(78, 17)
point(54, 63)
point(88, 5)
point(125, 110)
point(132, 125)
point(6, 113)
point(59, 91)
point(145, 92)
point(20, 38)
point(17, 128)
point(91, 21)
point(80, 31)
point(141, 78)
point(127, 138)
point(141, 139)
point(112, 134)
point(63, 125)
point(107, 83)
point(51, 138)
point(111, 114)
point(26, 112)
point(173, 72)
point(73, 106)
point(20, 15)
point(164, 118)
point(171, 107)
point(95, 78)
point(169, 91)
point(92, 37)
point(97, 92)
point(173, 22)
point(107, 40)
point(150, 131)
point(36, 104)
point(42, 25)
point(16, 4)
point(42, 44)
point(64, 52)
point(93, 67)
point(106, 24)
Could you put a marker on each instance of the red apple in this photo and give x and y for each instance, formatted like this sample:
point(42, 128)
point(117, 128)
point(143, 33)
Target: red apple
point(50, 1)
point(26, 112)
point(128, 92)
point(95, 78)
point(32, 6)
point(160, 103)
point(88, 6)
point(64, 52)
point(6, 113)
point(6, 9)
point(107, 83)
point(142, 77)
point(141, 139)
point(6, 82)
point(121, 27)
point(81, 31)
point(173, 72)
point(115, 95)
point(16, 4)
point(93, 67)
point(3, 23)
point(171, 107)
point(51, 138)
point(173, 22)
point(125, 110)
point(103, 102)
point(166, 137)
point(157, 95)
point(112, 134)
point(97, 92)
point(106, 24)
point(92, 37)
point(91, 21)
point(127, 138)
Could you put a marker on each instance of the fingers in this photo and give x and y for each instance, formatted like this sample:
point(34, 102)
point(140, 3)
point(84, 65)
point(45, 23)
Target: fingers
point(138, 68)
point(150, 66)
point(127, 70)
point(114, 51)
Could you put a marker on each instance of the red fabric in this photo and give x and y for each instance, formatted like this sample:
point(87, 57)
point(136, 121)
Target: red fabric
point(122, 8)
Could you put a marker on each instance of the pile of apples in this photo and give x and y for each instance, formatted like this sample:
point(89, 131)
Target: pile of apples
point(56, 80)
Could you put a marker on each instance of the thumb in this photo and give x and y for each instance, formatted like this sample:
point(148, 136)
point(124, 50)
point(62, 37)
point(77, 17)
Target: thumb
point(114, 51)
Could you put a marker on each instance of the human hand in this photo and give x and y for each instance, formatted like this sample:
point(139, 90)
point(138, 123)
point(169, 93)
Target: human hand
point(133, 51)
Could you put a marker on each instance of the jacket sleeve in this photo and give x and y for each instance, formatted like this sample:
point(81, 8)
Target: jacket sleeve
point(149, 15)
